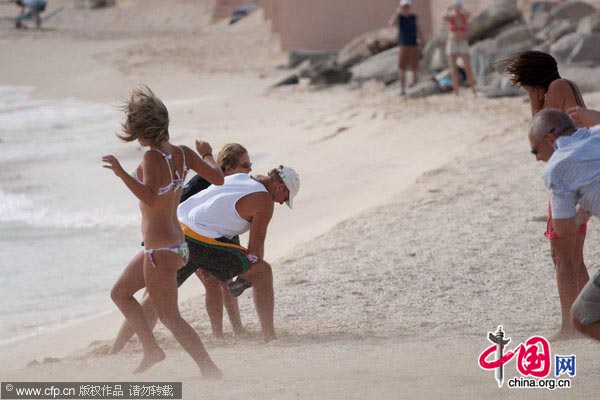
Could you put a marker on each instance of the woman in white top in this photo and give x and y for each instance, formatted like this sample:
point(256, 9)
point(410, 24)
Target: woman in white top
point(457, 46)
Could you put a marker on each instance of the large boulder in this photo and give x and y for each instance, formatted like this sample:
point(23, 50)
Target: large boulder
point(434, 53)
point(500, 13)
point(573, 11)
point(424, 89)
point(516, 35)
point(288, 80)
point(501, 87)
point(297, 57)
point(366, 45)
point(487, 54)
point(382, 67)
point(540, 21)
point(329, 74)
point(587, 50)
point(589, 25)
point(562, 49)
point(555, 30)
point(587, 78)
point(539, 7)
point(482, 56)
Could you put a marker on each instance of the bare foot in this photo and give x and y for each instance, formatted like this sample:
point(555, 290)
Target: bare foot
point(149, 360)
point(211, 372)
point(115, 348)
point(269, 337)
point(217, 335)
point(566, 334)
point(240, 332)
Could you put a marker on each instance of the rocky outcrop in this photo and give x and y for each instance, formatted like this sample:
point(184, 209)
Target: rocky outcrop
point(570, 31)
point(487, 22)
point(382, 67)
point(572, 11)
point(297, 57)
point(366, 45)
point(586, 50)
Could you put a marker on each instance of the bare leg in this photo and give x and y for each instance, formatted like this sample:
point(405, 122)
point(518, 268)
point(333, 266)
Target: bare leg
point(469, 71)
point(126, 331)
point(19, 24)
point(162, 288)
point(122, 293)
point(402, 79)
point(213, 301)
point(566, 280)
point(454, 73)
point(415, 76)
point(233, 310)
point(581, 271)
point(261, 277)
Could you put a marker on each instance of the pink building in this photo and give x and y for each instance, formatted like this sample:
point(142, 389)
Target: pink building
point(330, 24)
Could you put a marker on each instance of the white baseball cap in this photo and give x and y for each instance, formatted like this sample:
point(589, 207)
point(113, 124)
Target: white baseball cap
point(292, 182)
point(405, 3)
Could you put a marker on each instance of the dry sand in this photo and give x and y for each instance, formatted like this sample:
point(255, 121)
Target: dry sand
point(417, 229)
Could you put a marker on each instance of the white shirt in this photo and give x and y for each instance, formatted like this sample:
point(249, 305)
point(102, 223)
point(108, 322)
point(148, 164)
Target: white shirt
point(212, 212)
point(573, 173)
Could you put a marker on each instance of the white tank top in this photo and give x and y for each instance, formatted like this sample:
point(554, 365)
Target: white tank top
point(212, 212)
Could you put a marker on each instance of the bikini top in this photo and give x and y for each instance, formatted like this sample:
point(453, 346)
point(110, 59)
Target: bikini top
point(177, 181)
point(457, 23)
point(576, 94)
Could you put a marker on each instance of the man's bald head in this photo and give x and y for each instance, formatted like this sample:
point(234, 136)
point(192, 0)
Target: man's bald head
point(550, 120)
point(546, 127)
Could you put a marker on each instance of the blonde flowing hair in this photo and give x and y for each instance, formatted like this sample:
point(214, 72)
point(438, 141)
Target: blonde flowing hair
point(147, 117)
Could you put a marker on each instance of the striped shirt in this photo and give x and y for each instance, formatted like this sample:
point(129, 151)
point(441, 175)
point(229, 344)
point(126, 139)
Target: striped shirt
point(573, 173)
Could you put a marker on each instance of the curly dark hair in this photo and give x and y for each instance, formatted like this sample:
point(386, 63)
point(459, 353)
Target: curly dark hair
point(531, 68)
point(147, 117)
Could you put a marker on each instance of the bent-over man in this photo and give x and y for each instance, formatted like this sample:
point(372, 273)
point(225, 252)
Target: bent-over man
point(573, 177)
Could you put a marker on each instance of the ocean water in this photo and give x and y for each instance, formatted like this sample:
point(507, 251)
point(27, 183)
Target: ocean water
point(67, 226)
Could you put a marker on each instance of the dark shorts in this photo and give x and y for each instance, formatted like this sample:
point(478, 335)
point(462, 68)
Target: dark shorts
point(221, 257)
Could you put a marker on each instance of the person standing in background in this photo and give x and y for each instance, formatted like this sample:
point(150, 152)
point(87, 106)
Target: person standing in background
point(409, 42)
point(457, 46)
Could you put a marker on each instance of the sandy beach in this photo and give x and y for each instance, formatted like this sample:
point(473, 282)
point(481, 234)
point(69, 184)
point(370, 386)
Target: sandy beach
point(418, 228)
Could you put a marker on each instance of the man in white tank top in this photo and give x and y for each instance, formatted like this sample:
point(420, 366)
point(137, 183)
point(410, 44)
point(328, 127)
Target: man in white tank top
point(213, 217)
